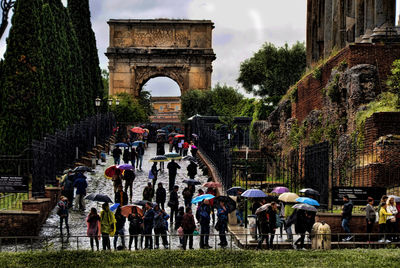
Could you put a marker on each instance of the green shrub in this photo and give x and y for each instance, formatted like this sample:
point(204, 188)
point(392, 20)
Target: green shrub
point(293, 95)
point(317, 74)
point(333, 90)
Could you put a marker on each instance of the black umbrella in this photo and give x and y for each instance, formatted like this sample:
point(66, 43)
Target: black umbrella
point(309, 191)
point(99, 198)
point(305, 207)
point(192, 182)
point(230, 204)
point(141, 202)
point(82, 169)
point(161, 131)
point(234, 191)
point(173, 134)
point(190, 158)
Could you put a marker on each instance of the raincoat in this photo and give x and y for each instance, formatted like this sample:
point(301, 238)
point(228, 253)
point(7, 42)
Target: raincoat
point(108, 222)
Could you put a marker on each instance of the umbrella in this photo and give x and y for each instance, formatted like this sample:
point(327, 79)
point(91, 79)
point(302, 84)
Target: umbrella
point(114, 207)
point(194, 147)
point(173, 134)
point(137, 130)
point(234, 190)
point(82, 169)
point(161, 131)
point(280, 190)
point(230, 204)
point(125, 166)
point(307, 200)
point(200, 198)
point(263, 207)
point(121, 144)
point(396, 198)
point(192, 182)
point(190, 158)
point(173, 156)
point(141, 202)
point(254, 193)
point(179, 136)
point(99, 198)
point(161, 134)
point(136, 143)
point(212, 184)
point(288, 197)
point(195, 135)
point(126, 210)
point(110, 172)
point(309, 191)
point(305, 207)
point(159, 158)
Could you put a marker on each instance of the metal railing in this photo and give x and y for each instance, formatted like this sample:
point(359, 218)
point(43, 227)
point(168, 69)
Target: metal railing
point(234, 242)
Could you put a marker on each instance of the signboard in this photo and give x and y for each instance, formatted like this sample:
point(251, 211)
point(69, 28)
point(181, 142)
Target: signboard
point(13, 184)
point(358, 195)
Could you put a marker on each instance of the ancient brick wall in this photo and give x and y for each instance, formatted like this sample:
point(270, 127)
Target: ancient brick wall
point(381, 124)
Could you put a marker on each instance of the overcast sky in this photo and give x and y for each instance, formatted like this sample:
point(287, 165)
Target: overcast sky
point(241, 27)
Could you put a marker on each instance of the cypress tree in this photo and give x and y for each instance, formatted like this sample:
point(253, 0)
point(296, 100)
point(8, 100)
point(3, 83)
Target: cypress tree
point(80, 16)
point(20, 121)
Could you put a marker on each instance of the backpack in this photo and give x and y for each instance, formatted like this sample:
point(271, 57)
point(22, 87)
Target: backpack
point(204, 214)
point(278, 221)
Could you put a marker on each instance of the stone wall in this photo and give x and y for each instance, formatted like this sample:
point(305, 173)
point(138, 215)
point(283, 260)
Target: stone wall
point(381, 124)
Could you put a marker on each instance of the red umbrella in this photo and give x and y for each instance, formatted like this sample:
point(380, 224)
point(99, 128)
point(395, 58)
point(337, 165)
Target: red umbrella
point(179, 136)
point(212, 184)
point(138, 130)
point(126, 210)
point(110, 172)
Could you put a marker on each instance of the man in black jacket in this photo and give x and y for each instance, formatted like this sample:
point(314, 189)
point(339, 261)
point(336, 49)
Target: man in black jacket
point(174, 202)
point(161, 195)
point(148, 222)
point(172, 170)
point(346, 216)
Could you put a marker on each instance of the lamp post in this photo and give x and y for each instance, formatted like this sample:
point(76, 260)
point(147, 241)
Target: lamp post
point(117, 102)
point(97, 102)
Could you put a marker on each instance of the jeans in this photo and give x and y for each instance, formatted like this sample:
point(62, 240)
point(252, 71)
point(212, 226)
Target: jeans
point(222, 236)
point(171, 182)
point(131, 237)
point(185, 151)
point(117, 160)
point(106, 241)
point(163, 233)
point(148, 240)
point(121, 233)
point(289, 232)
point(370, 226)
point(185, 239)
point(139, 161)
point(129, 185)
point(261, 240)
point(239, 215)
point(301, 240)
point(204, 232)
point(174, 210)
point(95, 238)
point(79, 202)
point(66, 224)
point(345, 225)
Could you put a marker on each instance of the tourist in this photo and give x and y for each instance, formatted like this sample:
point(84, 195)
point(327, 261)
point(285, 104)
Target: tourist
point(107, 223)
point(383, 214)
point(160, 151)
point(203, 217)
point(133, 156)
point(178, 222)
point(62, 211)
point(192, 170)
point(119, 228)
point(188, 226)
point(303, 223)
point(263, 228)
point(273, 222)
point(212, 191)
point(160, 225)
point(139, 157)
point(148, 192)
point(121, 197)
point(346, 216)
point(193, 149)
point(148, 221)
point(117, 179)
point(391, 224)
point(288, 227)
point(187, 195)
point(172, 171)
point(93, 228)
point(116, 153)
point(222, 223)
point(180, 146)
point(170, 141)
point(129, 177)
point(185, 148)
point(81, 184)
point(146, 138)
point(240, 207)
point(173, 202)
point(135, 222)
point(384, 199)
point(126, 156)
point(161, 195)
point(370, 216)
point(154, 172)
point(67, 187)
point(175, 143)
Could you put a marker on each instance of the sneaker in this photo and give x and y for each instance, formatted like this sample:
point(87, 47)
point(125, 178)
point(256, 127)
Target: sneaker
point(155, 247)
point(166, 247)
point(381, 241)
point(349, 238)
point(294, 246)
point(388, 241)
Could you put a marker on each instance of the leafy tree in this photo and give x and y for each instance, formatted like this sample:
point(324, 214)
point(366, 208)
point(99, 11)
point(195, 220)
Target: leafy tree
point(394, 80)
point(6, 6)
point(80, 16)
point(271, 70)
point(129, 110)
point(145, 102)
point(105, 78)
point(194, 102)
point(20, 120)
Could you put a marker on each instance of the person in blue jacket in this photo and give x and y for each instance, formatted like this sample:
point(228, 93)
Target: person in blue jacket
point(80, 184)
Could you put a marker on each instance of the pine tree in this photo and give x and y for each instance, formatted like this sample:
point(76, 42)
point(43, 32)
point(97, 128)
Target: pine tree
point(80, 16)
point(20, 121)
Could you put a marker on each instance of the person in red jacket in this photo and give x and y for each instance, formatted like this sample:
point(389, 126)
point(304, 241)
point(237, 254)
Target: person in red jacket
point(188, 226)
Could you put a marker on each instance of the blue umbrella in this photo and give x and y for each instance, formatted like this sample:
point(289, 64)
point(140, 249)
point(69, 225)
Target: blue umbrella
point(200, 198)
point(121, 144)
point(307, 200)
point(136, 143)
point(114, 207)
point(254, 193)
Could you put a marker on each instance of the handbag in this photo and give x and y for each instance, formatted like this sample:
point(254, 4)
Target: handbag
point(151, 176)
point(171, 204)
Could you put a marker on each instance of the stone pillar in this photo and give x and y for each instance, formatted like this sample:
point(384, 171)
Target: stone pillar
point(111, 70)
point(385, 12)
point(360, 13)
point(309, 32)
point(350, 21)
point(328, 28)
point(369, 14)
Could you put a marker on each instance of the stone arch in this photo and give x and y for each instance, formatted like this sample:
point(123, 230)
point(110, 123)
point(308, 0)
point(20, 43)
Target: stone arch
point(143, 49)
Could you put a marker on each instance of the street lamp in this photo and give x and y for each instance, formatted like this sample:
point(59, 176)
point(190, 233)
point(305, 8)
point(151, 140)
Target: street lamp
point(97, 102)
point(110, 101)
point(117, 102)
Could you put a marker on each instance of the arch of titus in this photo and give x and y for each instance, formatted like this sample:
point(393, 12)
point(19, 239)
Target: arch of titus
point(143, 49)
point(335, 23)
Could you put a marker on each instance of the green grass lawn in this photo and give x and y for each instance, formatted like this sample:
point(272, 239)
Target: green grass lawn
point(197, 258)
